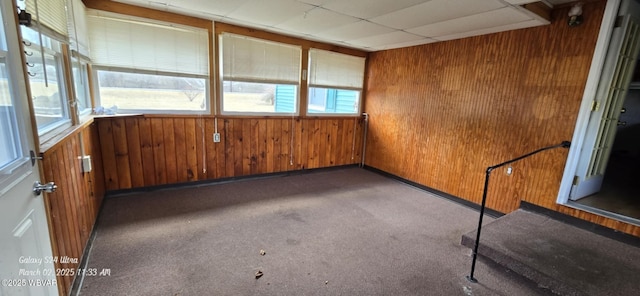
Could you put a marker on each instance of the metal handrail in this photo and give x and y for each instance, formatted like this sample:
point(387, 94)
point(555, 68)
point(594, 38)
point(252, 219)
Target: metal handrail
point(564, 144)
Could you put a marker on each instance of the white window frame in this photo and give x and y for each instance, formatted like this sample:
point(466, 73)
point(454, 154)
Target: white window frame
point(15, 170)
point(84, 72)
point(98, 99)
point(104, 61)
point(310, 85)
point(49, 130)
point(266, 81)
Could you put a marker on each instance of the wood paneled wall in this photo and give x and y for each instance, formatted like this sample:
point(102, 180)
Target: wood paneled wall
point(143, 151)
point(74, 207)
point(441, 113)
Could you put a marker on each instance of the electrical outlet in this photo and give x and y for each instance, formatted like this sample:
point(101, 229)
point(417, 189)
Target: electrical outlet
point(216, 137)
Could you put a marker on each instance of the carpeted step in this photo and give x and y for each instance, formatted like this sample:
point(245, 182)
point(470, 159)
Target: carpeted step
point(559, 257)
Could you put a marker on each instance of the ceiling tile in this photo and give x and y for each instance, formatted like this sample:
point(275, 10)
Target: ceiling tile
point(254, 10)
point(367, 9)
point(217, 7)
point(495, 18)
point(316, 20)
point(385, 39)
point(355, 30)
point(520, 25)
point(435, 11)
point(315, 2)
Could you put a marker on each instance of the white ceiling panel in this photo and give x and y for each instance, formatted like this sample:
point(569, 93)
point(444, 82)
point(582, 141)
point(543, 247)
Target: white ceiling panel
point(435, 11)
point(315, 2)
point(495, 18)
point(316, 20)
point(367, 9)
point(353, 31)
point(521, 25)
point(254, 10)
point(217, 7)
point(365, 24)
point(386, 39)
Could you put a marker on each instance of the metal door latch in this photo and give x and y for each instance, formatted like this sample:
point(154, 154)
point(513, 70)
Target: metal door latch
point(48, 187)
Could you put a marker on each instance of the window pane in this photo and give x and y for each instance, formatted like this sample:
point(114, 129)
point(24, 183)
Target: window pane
point(134, 91)
point(80, 83)
point(9, 137)
point(249, 97)
point(47, 94)
point(333, 101)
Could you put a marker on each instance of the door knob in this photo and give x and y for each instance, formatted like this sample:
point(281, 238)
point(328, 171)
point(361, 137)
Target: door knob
point(48, 187)
point(622, 123)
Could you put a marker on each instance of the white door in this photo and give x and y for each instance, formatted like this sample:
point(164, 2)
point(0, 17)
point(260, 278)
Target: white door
point(612, 90)
point(25, 248)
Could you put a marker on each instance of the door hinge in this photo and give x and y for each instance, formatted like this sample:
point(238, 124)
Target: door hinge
point(595, 105)
point(576, 180)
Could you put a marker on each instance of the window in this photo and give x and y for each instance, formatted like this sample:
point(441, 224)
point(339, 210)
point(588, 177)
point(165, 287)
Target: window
point(335, 83)
point(146, 92)
point(81, 86)
point(149, 66)
point(13, 160)
point(44, 66)
point(259, 76)
point(79, 45)
point(10, 145)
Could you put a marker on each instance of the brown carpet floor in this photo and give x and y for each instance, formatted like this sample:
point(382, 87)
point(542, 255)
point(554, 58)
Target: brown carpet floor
point(330, 232)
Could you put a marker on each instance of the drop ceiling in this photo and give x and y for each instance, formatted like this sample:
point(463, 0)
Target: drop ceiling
point(369, 25)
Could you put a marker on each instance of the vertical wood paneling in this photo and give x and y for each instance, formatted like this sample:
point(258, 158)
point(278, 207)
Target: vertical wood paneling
point(262, 146)
point(109, 155)
point(200, 148)
point(210, 155)
point(147, 152)
point(157, 138)
point(245, 131)
point(74, 206)
point(170, 150)
point(134, 148)
point(255, 141)
point(122, 152)
point(191, 152)
point(221, 161)
point(180, 136)
point(440, 114)
point(229, 148)
point(277, 145)
point(166, 150)
point(285, 145)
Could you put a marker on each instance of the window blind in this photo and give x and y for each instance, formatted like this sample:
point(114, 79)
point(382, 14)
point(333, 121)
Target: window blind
point(77, 27)
point(52, 13)
point(256, 60)
point(119, 41)
point(335, 70)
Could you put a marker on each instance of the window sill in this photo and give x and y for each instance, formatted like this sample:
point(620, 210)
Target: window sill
point(63, 133)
